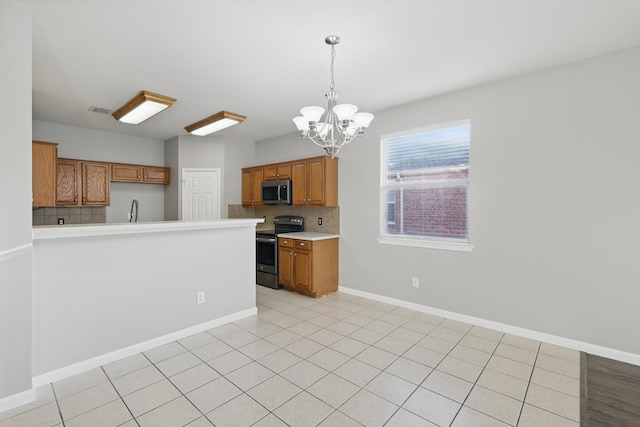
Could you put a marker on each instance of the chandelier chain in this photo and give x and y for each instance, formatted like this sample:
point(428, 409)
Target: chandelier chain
point(333, 57)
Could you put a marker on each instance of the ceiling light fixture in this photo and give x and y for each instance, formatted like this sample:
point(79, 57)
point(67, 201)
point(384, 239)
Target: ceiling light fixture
point(342, 123)
point(142, 106)
point(218, 121)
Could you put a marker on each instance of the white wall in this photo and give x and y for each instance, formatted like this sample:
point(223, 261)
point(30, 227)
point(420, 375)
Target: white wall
point(15, 209)
point(555, 212)
point(285, 147)
point(125, 290)
point(90, 144)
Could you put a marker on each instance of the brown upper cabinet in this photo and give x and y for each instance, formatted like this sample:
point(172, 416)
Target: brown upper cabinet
point(315, 181)
point(139, 173)
point(252, 186)
point(277, 171)
point(71, 182)
point(44, 160)
point(154, 174)
point(82, 183)
point(126, 173)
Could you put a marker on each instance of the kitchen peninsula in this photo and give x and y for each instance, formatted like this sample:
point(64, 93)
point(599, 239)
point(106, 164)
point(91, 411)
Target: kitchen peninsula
point(104, 292)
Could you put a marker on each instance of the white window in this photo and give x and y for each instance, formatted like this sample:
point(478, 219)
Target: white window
point(424, 187)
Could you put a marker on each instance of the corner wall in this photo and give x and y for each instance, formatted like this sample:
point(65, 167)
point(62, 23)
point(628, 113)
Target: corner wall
point(222, 151)
point(15, 209)
point(554, 206)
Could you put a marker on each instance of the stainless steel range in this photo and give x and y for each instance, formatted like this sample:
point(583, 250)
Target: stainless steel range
point(267, 249)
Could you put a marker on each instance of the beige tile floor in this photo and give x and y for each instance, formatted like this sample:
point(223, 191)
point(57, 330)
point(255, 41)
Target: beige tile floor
point(336, 361)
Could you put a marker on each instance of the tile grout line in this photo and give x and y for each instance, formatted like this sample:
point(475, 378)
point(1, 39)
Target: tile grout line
point(177, 388)
point(119, 395)
point(459, 342)
point(55, 396)
point(528, 383)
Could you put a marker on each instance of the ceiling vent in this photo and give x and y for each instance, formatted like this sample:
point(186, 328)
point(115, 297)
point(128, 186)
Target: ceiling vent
point(100, 110)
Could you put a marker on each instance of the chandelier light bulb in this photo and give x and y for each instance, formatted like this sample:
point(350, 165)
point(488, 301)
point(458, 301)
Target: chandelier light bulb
point(362, 120)
point(301, 123)
point(345, 111)
point(312, 114)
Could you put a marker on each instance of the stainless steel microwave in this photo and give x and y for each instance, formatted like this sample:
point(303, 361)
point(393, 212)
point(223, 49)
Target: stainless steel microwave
point(276, 192)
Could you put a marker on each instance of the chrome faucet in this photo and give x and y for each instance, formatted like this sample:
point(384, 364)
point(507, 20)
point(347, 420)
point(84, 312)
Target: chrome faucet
point(133, 213)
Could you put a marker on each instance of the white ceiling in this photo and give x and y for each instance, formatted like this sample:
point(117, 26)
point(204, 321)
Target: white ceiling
point(267, 58)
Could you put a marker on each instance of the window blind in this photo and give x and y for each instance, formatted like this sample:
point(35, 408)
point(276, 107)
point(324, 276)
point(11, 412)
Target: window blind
point(424, 183)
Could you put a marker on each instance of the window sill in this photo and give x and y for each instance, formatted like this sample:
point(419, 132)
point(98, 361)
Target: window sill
point(420, 243)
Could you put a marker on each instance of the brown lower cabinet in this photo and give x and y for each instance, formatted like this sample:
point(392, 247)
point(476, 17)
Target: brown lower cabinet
point(308, 267)
point(82, 183)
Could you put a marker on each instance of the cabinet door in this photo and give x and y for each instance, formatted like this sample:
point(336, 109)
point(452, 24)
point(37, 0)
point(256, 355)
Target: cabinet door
point(252, 186)
point(299, 182)
point(270, 172)
point(247, 187)
point(95, 184)
point(283, 170)
point(126, 173)
point(257, 176)
point(285, 267)
point(302, 270)
point(155, 174)
point(44, 159)
point(315, 184)
point(277, 171)
point(68, 181)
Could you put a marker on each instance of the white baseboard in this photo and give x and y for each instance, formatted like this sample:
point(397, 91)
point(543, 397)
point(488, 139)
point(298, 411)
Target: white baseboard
point(18, 399)
point(97, 361)
point(597, 350)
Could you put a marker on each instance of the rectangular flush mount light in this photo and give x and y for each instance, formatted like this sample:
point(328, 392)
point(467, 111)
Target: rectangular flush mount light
point(214, 123)
point(142, 106)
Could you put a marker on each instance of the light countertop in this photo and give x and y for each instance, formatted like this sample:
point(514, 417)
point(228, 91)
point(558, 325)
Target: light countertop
point(309, 235)
point(112, 229)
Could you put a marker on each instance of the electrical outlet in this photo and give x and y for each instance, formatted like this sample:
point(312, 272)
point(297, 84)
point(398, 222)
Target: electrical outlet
point(415, 282)
point(319, 221)
point(200, 297)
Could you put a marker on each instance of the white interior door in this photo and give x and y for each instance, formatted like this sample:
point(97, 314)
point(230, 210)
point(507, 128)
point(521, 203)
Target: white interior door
point(200, 194)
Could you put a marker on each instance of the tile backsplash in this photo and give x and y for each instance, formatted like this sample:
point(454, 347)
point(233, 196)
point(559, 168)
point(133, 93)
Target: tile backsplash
point(81, 215)
point(330, 216)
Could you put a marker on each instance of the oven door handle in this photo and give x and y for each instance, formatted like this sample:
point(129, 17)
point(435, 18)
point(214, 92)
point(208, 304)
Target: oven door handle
point(265, 240)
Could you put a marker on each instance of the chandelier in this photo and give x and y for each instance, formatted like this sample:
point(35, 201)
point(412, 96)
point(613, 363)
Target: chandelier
point(341, 124)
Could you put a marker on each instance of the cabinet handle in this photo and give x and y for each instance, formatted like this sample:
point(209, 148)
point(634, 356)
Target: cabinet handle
point(301, 244)
point(84, 200)
point(75, 200)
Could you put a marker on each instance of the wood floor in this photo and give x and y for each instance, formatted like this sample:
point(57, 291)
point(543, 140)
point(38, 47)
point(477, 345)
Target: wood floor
point(610, 393)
